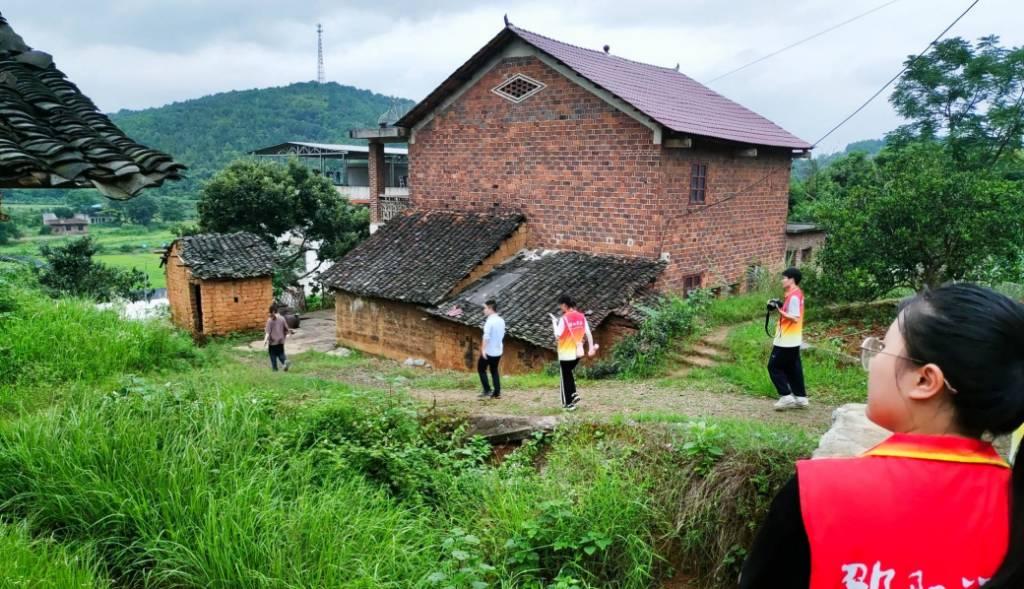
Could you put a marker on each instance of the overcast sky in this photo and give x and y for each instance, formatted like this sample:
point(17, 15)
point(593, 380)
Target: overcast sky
point(143, 53)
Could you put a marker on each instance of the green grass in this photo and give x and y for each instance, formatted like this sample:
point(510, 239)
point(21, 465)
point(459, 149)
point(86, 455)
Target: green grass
point(145, 261)
point(110, 238)
point(40, 563)
point(830, 376)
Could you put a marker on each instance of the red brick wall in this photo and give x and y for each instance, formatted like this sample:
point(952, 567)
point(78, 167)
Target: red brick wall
point(742, 222)
point(585, 174)
point(590, 178)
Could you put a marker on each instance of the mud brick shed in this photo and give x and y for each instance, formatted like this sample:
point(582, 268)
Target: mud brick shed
point(219, 283)
point(415, 288)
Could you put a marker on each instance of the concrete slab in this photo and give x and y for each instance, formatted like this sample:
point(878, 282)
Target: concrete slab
point(316, 332)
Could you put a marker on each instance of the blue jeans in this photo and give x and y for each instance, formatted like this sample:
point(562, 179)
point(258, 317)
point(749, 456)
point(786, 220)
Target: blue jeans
point(277, 353)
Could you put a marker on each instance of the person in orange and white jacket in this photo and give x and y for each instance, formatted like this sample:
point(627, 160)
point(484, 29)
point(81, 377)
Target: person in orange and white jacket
point(570, 331)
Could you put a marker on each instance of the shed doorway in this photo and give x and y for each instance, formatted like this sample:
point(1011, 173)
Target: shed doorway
point(197, 309)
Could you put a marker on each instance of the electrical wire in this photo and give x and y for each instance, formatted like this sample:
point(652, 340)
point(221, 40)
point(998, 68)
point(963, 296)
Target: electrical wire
point(897, 76)
point(802, 41)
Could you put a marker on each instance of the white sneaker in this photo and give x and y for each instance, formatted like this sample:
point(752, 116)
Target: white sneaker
point(802, 402)
point(784, 403)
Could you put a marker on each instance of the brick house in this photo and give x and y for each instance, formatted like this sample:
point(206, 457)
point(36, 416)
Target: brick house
point(601, 156)
point(802, 239)
point(76, 225)
point(219, 283)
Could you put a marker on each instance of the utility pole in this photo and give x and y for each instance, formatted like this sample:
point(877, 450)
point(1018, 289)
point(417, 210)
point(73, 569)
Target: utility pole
point(320, 77)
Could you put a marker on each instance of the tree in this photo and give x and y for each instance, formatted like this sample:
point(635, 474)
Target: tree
point(140, 209)
point(64, 212)
point(971, 97)
point(71, 271)
point(81, 201)
point(8, 231)
point(270, 200)
point(172, 210)
point(917, 223)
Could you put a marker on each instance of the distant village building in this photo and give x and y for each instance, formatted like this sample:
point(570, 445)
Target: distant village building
point(76, 225)
point(346, 166)
point(219, 283)
point(540, 168)
point(803, 240)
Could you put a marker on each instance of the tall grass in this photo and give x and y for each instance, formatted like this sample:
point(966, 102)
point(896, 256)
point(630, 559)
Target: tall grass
point(225, 478)
point(40, 563)
point(45, 341)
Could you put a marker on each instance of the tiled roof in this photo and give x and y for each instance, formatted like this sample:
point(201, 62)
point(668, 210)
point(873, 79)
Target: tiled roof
point(220, 256)
point(670, 98)
point(53, 136)
point(420, 256)
point(527, 288)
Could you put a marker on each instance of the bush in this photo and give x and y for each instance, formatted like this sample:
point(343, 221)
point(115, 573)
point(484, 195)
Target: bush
point(642, 353)
point(70, 271)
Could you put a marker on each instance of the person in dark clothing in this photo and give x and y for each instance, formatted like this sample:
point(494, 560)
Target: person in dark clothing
point(275, 332)
point(491, 349)
point(934, 505)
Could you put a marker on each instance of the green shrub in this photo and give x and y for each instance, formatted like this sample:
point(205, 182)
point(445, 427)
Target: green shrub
point(641, 354)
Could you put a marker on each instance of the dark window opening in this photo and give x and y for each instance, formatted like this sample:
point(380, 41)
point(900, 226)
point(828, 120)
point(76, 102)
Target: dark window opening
point(691, 283)
point(805, 255)
point(698, 183)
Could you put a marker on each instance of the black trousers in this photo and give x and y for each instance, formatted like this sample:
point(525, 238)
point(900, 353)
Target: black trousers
point(277, 354)
point(786, 371)
point(481, 367)
point(568, 382)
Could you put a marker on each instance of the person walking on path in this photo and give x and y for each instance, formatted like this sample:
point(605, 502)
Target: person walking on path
point(490, 350)
point(276, 332)
point(934, 505)
point(784, 367)
point(570, 330)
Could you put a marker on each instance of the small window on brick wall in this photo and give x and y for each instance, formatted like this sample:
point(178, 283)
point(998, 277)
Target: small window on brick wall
point(691, 283)
point(518, 88)
point(698, 183)
point(805, 255)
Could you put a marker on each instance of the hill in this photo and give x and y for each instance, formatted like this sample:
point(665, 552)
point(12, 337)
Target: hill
point(802, 168)
point(206, 133)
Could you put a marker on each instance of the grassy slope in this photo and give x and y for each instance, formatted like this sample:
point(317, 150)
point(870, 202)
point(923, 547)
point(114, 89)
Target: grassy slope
point(209, 474)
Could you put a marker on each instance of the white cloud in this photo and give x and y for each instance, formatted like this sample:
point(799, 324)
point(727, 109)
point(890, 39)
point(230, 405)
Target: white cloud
point(142, 53)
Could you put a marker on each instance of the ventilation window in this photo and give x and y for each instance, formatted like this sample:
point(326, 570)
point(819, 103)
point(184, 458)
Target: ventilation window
point(518, 88)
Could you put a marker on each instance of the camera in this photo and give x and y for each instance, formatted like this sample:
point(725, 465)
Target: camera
point(774, 305)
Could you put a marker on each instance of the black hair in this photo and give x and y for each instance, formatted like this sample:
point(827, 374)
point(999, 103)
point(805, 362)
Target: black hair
point(493, 304)
point(976, 337)
point(273, 308)
point(794, 273)
point(567, 301)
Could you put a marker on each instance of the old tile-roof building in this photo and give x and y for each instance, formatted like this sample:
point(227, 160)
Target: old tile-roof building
point(602, 156)
point(219, 283)
point(53, 136)
point(76, 225)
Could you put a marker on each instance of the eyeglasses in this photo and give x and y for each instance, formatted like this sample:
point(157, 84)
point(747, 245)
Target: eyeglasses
point(873, 346)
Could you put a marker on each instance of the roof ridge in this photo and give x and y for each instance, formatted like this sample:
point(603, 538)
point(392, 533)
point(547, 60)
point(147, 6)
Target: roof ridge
point(517, 29)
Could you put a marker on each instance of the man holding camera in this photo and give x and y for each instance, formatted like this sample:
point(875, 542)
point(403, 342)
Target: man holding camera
point(784, 366)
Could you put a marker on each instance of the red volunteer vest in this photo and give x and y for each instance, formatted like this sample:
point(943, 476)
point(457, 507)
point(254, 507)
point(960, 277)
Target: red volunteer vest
point(914, 512)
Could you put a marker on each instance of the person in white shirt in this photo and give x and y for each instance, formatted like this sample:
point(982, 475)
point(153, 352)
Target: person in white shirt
point(490, 350)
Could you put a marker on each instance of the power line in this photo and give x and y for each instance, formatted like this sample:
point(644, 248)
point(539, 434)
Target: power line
point(802, 41)
point(897, 76)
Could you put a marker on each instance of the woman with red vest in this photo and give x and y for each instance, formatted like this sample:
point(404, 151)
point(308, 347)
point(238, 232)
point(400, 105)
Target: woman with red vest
point(934, 506)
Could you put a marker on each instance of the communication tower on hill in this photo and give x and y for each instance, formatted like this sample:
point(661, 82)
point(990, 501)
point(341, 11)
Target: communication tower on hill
point(320, 77)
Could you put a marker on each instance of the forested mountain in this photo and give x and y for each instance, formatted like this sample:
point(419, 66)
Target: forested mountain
point(206, 133)
point(802, 168)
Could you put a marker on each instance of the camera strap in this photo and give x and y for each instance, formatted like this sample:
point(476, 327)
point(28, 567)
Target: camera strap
point(767, 320)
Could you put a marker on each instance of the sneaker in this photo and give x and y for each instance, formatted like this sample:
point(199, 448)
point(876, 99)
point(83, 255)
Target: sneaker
point(571, 407)
point(802, 402)
point(496, 396)
point(784, 403)
point(287, 365)
point(484, 395)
